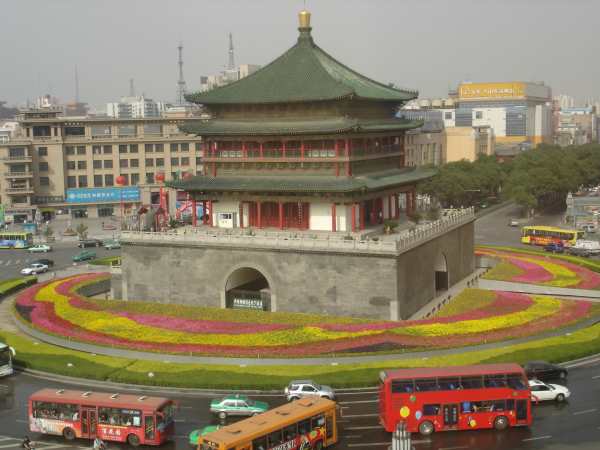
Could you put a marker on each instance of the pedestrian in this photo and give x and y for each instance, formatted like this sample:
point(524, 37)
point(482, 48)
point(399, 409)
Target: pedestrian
point(27, 444)
point(98, 444)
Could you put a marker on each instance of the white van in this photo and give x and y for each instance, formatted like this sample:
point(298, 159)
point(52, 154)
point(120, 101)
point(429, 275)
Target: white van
point(593, 247)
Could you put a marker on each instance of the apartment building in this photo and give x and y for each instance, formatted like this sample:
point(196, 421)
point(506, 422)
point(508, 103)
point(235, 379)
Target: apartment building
point(57, 163)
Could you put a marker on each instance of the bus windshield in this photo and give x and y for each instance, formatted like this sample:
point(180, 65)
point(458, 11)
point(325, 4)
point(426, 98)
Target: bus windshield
point(5, 356)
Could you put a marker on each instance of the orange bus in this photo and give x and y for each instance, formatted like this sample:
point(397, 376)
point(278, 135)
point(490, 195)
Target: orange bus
point(309, 423)
point(112, 417)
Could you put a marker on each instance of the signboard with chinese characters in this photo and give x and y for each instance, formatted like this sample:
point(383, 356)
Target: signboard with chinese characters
point(101, 195)
point(247, 303)
point(491, 90)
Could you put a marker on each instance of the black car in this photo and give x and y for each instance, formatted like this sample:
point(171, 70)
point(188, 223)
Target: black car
point(543, 371)
point(89, 243)
point(47, 262)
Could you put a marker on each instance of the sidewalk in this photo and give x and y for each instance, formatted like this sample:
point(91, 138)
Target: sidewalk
point(524, 288)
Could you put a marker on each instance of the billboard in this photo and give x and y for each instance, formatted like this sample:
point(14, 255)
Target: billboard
point(103, 195)
point(491, 90)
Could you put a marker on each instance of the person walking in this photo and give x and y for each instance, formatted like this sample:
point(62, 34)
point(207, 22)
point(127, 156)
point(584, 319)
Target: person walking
point(27, 444)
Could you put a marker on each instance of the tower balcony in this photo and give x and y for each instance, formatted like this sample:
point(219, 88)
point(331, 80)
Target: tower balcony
point(20, 190)
point(18, 175)
point(15, 159)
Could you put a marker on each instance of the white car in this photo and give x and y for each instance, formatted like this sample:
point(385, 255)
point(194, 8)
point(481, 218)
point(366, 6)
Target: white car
point(298, 389)
point(40, 248)
point(541, 391)
point(34, 269)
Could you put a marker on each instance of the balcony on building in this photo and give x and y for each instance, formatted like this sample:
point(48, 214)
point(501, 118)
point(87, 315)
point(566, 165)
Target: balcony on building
point(19, 190)
point(17, 155)
point(14, 174)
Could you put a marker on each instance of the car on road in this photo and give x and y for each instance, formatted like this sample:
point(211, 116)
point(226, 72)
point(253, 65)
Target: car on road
point(542, 370)
point(89, 243)
point(195, 435)
point(47, 262)
point(40, 248)
point(579, 251)
point(541, 391)
point(298, 389)
point(84, 256)
point(554, 247)
point(237, 405)
point(513, 223)
point(112, 244)
point(34, 269)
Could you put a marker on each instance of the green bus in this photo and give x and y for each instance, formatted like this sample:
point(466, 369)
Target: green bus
point(18, 239)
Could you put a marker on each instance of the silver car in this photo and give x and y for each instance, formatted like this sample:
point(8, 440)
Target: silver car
point(298, 389)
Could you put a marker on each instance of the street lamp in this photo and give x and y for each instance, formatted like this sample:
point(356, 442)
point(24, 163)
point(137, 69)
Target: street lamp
point(121, 181)
point(160, 178)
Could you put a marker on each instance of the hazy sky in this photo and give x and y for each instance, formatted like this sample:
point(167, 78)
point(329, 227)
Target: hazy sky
point(428, 45)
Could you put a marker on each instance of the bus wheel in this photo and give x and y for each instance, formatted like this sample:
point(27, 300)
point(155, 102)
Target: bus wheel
point(501, 423)
point(69, 434)
point(133, 440)
point(426, 428)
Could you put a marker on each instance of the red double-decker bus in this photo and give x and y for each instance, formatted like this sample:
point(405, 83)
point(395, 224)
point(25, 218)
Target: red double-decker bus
point(455, 398)
point(112, 417)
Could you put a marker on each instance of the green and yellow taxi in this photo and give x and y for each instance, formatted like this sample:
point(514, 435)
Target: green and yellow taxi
point(237, 405)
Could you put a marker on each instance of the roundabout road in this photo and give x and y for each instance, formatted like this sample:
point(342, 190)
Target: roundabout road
point(572, 425)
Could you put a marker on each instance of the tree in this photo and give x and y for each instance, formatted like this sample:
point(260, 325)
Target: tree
point(48, 232)
point(81, 231)
point(6, 112)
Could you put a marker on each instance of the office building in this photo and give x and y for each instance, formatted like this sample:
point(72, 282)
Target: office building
point(134, 108)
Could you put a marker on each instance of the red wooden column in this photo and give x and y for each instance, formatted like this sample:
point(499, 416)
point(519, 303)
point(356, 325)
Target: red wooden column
point(361, 209)
point(337, 155)
point(281, 215)
point(302, 150)
point(210, 216)
point(241, 214)
point(353, 217)
point(244, 150)
point(348, 152)
point(258, 215)
point(261, 150)
point(194, 214)
point(333, 218)
point(204, 218)
point(283, 149)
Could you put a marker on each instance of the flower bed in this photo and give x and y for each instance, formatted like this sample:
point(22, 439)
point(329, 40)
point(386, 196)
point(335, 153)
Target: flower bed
point(55, 307)
point(536, 268)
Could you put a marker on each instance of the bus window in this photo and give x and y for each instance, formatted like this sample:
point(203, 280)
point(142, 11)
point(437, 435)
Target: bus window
point(499, 405)
point(510, 405)
point(516, 382)
point(427, 384)
point(260, 443)
point(304, 427)
point(289, 432)
point(57, 411)
point(448, 384)
point(471, 382)
point(399, 386)
point(329, 427)
point(275, 439)
point(494, 381)
point(317, 421)
point(431, 410)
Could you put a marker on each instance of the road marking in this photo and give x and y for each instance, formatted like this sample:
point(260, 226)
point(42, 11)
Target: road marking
point(537, 438)
point(17, 262)
point(179, 421)
point(21, 421)
point(585, 411)
point(369, 444)
point(6, 438)
point(356, 393)
point(353, 416)
point(178, 436)
point(452, 448)
point(353, 436)
point(356, 402)
point(596, 377)
point(371, 427)
point(16, 444)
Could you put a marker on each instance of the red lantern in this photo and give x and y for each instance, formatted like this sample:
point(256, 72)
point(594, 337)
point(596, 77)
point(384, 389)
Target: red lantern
point(159, 177)
point(121, 180)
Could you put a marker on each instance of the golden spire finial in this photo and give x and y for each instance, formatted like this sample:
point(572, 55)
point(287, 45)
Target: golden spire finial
point(304, 18)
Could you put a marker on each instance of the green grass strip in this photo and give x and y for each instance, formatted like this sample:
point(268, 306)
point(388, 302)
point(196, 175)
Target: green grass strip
point(14, 284)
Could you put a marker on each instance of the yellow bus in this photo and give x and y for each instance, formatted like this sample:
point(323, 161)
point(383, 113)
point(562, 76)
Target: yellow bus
point(308, 423)
point(543, 235)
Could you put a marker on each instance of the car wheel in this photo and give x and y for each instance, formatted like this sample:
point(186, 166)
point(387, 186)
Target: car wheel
point(426, 428)
point(294, 398)
point(255, 414)
point(501, 423)
point(133, 440)
point(560, 398)
point(326, 396)
point(222, 415)
point(68, 434)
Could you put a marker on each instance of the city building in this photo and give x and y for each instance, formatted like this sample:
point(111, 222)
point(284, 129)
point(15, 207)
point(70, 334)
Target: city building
point(516, 111)
point(70, 164)
point(227, 76)
point(7, 130)
point(134, 108)
point(565, 101)
point(304, 175)
point(577, 126)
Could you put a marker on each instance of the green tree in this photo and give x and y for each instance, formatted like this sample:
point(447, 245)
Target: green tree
point(82, 231)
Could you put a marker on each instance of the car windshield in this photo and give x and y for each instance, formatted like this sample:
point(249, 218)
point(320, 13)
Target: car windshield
point(317, 386)
point(250, 402)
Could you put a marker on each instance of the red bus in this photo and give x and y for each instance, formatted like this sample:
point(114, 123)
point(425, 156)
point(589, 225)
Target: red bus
point(455, 398)
point(112, 417)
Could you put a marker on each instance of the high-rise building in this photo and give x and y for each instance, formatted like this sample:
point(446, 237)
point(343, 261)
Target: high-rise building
point(134, 108)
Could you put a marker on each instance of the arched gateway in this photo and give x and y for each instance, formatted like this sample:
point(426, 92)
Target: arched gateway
point(442, 282)
point(247, 288)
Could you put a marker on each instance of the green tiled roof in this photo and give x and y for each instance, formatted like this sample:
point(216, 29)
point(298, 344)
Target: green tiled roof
point(299, 184)
point(290, 127)
point(304, 73)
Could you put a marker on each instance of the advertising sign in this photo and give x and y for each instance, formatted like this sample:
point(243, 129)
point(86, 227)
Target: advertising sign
point(100, 195)
point(491, 90)
point(247, 303)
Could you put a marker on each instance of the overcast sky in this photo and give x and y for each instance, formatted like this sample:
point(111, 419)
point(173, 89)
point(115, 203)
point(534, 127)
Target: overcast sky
point(429, 45)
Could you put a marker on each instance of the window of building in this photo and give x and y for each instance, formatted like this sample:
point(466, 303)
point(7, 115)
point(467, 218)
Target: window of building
point(107, 149)
point(97, 164)
point(135, 178)
point(126, 130)
point(70, 150)
point(198, 161)
point(81, 165)
point(82, 181)
point(71, 165)
point(108, 164)
point(98, 181)
point(43, 151)
point(174, 147)
point(134, 163)
point(149, 177)
point(149, 162)
point(479, 114)
point(152, 128)
point(160, 162)
point(185, 147)
point(174, 161)
point(448, 115)
point(96, 149)
point(133, 148)
point(43, 166)
point(124, 163)
point(44, 181)
point(108, 180)
point(81, 150)
point(198, 146)
point(122, 148)
point(148, 148)
point(159, 147)
point(185, 161)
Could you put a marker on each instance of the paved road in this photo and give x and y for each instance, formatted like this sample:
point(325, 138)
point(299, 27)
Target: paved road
point(575, 424)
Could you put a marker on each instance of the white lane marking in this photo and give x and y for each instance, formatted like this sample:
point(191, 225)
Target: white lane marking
point(369, 444)
point(585, 411)
point(371, 427)
point(537, 438)
point(356, 402)
point(7, 438)
point(186, 407)
point(21, 421)
point(596, 377)
point(353, 416)
point(8, 262)
point(178, 436)
point(17, 262)
point(353, 436)
point(452, 448)
point(179, 421)
point(16, 444)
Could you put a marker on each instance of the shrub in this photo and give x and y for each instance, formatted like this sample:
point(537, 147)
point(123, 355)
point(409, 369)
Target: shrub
point(13, 285)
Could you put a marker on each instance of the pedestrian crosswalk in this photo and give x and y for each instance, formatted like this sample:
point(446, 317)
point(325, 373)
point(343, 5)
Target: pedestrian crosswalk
point(10, 442)
point(14, 262)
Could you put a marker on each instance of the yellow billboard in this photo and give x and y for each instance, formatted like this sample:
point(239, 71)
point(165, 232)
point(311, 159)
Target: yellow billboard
point(491, 90)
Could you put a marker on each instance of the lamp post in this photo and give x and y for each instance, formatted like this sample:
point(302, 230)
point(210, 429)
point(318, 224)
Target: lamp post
point(160, 178)
point(121, 181)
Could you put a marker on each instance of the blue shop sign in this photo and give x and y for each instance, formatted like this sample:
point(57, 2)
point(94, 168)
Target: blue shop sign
point(97, 195)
